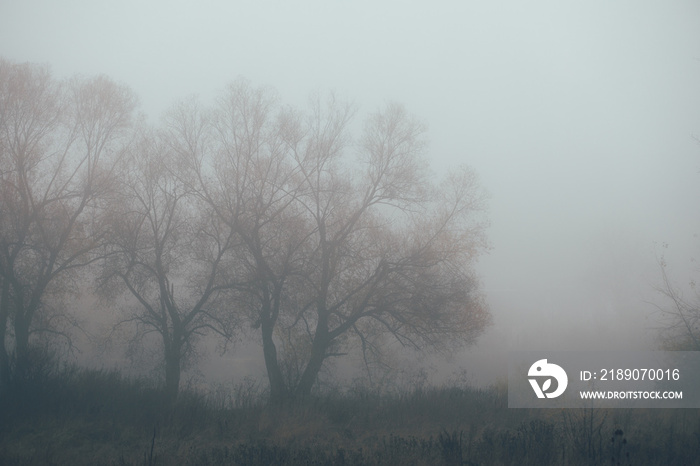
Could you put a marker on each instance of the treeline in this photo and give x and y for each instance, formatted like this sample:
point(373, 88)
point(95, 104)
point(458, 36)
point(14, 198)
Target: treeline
point(245, 215)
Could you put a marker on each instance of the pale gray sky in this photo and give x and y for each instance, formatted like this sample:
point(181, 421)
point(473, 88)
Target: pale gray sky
point(578, 116)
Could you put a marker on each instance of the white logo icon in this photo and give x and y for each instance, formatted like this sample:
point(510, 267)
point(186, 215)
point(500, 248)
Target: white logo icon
point(543, 369)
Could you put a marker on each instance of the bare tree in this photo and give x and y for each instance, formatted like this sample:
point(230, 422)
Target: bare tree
point(679, 316)
point(390, 253)
point(58, 145)
point(239, 160)
point(338, 253)
point(168, 251)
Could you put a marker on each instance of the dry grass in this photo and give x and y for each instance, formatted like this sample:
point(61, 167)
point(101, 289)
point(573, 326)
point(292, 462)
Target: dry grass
point(82, 417)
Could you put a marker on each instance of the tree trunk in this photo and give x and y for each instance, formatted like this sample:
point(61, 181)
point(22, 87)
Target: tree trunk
point(172, 348)
point(172, 372)
point(278, 390)
point(313, 367)
point(4, 357)
point(22, 361)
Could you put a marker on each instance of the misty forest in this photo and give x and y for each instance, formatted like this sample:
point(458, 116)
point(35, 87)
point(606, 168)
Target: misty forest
point(316, 239)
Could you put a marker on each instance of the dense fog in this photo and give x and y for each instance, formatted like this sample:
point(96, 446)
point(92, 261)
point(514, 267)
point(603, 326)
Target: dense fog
point(581, 121)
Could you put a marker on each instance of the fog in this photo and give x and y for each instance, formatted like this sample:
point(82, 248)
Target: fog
point(579, 119)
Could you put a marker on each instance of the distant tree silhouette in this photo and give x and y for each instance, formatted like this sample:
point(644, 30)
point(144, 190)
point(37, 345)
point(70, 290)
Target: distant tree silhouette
point(680, 316)
point(59, 142)
point(167, 250)
point(343, 245)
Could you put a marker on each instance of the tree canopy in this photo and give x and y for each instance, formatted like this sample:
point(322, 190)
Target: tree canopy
point(246, 214)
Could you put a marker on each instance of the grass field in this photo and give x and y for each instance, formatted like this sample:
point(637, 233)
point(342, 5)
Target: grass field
point(85, 417)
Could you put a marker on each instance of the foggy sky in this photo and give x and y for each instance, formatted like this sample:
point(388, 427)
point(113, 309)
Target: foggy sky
point(578, 116)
